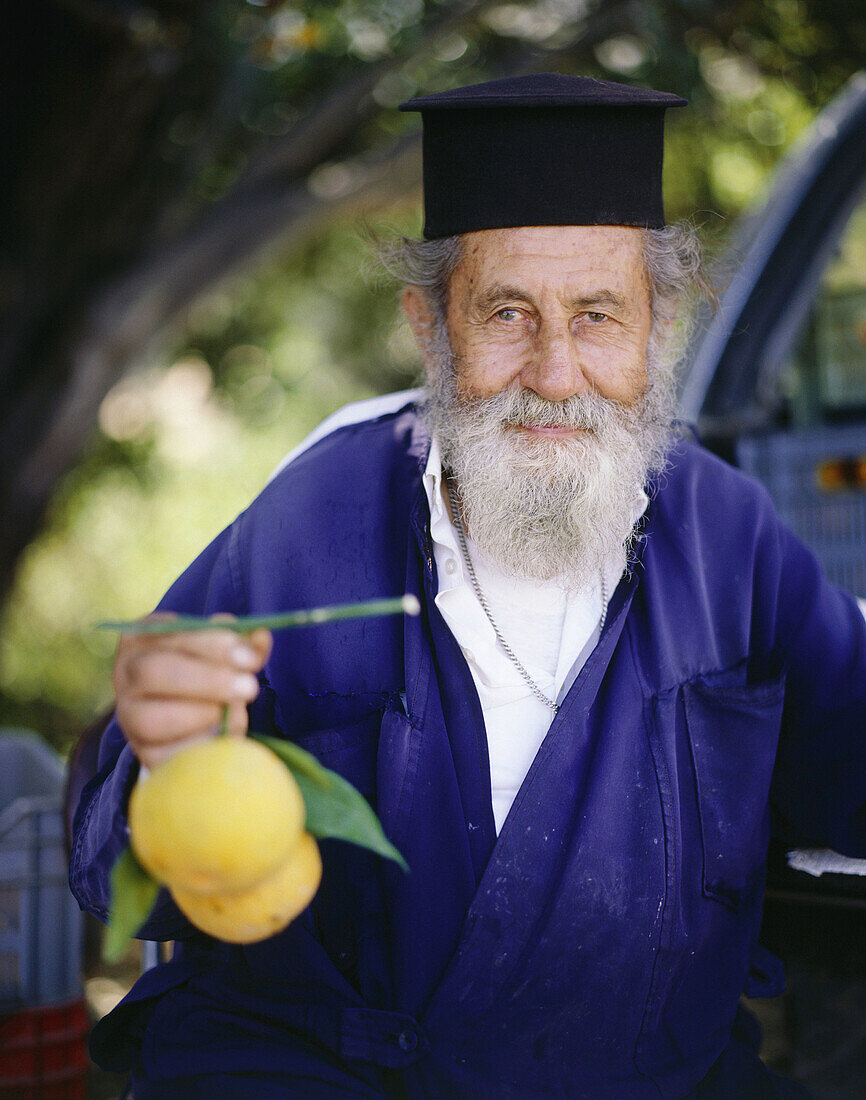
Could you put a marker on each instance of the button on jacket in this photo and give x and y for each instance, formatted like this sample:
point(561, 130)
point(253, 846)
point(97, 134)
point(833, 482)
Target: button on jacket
point(599, 945)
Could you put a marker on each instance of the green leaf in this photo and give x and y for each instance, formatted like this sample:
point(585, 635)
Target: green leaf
point(133, 893)
point(297, 760)
point(345, 814)
point(334, 807)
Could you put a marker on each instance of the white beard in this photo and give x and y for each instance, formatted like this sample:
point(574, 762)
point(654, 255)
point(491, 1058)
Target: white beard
point(545, 508)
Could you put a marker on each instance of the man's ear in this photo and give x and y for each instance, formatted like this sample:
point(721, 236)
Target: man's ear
point(416, 306)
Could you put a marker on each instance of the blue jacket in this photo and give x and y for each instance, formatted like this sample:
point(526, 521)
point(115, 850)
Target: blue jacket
point(598, 946)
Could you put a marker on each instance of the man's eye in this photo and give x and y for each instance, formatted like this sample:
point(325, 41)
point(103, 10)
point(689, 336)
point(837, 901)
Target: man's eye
point(596, 318)
point(507, 314)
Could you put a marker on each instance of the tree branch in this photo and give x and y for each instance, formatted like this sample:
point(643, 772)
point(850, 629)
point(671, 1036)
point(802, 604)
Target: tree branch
point(332, 121)
point(124, 321)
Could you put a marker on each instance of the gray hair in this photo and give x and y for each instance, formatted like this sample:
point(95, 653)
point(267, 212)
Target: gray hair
point(427, 264)
point(674, 261)
point(673, 257)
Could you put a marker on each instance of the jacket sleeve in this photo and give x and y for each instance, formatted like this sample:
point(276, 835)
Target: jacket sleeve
point(209, 585)
point(819, 786)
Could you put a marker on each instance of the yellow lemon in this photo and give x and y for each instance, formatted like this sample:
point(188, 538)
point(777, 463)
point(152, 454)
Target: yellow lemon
point(216, 817)
point(264, 910)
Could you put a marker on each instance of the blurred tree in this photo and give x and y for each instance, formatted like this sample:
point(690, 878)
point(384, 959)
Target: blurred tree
point(156, 147)
point(153, 149)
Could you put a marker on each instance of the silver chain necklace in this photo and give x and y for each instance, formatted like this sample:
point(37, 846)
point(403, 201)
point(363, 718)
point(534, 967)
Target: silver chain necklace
point(509, 652)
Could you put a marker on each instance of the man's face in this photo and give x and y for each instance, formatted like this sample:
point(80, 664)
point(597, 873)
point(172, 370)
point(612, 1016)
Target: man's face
point(549, 402)
point(559, 310)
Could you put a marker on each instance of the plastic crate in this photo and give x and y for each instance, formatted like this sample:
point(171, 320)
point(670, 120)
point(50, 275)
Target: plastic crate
point(40, 923)
point(830, 520)
point(43, 1053)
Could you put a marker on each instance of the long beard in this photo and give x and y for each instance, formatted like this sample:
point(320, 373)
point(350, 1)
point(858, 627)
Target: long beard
point(550, 508)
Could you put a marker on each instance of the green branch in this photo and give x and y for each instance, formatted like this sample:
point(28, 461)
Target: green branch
point(407, 605)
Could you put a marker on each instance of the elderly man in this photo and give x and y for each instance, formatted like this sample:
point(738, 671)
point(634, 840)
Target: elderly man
point(623, 662)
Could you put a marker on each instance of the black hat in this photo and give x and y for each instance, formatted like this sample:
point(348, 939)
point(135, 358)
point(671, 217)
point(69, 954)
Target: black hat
point(544, 149)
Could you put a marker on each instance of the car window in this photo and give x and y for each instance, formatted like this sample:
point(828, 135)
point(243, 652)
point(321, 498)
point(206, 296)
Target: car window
point(825, 380)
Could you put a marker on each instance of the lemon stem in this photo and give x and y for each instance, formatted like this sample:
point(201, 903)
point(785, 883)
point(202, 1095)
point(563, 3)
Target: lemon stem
point(224, 722)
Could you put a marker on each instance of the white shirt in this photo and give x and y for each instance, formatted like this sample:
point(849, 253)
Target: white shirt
point(551, 630)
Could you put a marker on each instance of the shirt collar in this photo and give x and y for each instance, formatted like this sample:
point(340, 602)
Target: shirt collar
point(433, 481)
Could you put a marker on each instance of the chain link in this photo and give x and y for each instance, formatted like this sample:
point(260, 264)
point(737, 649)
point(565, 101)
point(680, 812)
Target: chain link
point(509, 652)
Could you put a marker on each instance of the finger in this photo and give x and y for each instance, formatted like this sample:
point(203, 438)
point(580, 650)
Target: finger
point(220, 646)
point(215, 644)
point(129, 640)
point(152, 756)
point(164, 673)
point(247, 650)
point(154, 722)
point(261, 641)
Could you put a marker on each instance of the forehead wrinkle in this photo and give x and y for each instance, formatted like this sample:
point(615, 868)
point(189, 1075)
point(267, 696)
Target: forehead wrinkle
point(499, 292)
point(503, 292)
point(600, 297)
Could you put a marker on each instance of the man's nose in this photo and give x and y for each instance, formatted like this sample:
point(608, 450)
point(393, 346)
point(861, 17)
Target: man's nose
point(555, 371)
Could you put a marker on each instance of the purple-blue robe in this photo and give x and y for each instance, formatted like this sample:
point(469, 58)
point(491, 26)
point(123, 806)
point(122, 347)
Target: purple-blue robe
point(599, 945)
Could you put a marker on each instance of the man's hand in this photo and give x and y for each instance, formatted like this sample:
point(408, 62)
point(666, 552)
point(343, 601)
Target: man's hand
point(171, 688)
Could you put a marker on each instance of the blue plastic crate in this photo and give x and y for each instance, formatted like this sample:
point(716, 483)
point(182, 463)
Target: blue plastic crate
point(40, 923)
point(831, 521)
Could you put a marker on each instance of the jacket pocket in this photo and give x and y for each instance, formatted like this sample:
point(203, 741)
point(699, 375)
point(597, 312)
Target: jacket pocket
point(349, 750)
point(733, 734)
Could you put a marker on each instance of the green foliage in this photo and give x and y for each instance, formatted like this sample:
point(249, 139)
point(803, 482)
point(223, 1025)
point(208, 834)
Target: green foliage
point(326, 305)
point(184, 446)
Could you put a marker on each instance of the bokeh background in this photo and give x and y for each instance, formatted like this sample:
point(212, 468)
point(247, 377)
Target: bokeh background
point(186, 280)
